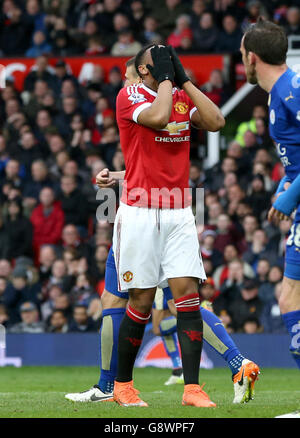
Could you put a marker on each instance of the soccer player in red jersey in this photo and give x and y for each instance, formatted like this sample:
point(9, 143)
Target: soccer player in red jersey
point(155, 237)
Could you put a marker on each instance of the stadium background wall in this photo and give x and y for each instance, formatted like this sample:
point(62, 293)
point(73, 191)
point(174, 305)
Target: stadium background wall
point(81, 67)
point(268, 350)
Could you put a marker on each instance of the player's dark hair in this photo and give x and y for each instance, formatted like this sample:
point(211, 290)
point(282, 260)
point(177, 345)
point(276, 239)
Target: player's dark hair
point(130, 62)
point(139, 57)
point(268, 41)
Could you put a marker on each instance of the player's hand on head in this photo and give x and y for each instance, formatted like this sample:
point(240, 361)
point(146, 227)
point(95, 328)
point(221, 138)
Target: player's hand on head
point(162, 68)
point(103, 180)
point(180, 74)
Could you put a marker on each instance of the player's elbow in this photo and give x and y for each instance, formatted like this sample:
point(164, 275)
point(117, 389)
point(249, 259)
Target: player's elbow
point(154, 120)
point(218, 123)
point(159, 122)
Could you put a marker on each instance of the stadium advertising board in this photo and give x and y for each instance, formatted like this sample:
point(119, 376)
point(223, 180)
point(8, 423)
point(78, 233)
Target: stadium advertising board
point(82, 67)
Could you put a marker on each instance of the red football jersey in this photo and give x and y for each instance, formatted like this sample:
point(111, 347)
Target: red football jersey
point(157, 161)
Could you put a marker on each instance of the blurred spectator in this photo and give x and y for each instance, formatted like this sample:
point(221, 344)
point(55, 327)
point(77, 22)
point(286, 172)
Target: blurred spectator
point(95, 311)
point(4, 239)
point(267, 289)
point(36, 15)
point(259, 111)
point(97, 268)
point(226, 233)
point(260, 248)
point(63, 120)
point(293, 21)
point(208, 250)
point(229, 40)
point(126, 45)
point(47, 257)
point(27, 150)
point(83, 291)
point(58, 322)
point(40, 45)
point(262, 133)
point(251, 325)
point(39, 180)
point(138, 14)
point(40, 71)
point(271, 319)
point(62, 44)
point(216, 89)
point(18, 229)
point(5, 268)
point(166, 13)
point(49, 305)
point(113, 86)
point(47, 220)
point(197, 9)
point(9, 301)
point(263, 269)
point(208, 292)
point(81, 321)
point(245, 305)
point(12, 174)
point(30, 322)
point(19, 291)
point(149, 34)
point(182, 30)
point(71, 239)
point(258, 197)
point(230, 271)
point(73, 202)
point(255, 9)
point(15, 29)
point(196, 178)
point(58, 274)
point(206, 35)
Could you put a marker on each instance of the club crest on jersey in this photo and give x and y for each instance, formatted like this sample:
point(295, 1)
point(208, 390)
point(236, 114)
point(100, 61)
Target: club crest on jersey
point(272, 117)
point(175, 128)
point(127, 276)
point(181, 107)
point(136, 98)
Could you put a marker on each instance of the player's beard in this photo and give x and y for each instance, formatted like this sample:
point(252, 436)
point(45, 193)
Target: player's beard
point(251, 75)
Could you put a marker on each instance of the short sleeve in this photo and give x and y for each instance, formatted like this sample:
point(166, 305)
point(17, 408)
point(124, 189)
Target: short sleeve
point(131, 101)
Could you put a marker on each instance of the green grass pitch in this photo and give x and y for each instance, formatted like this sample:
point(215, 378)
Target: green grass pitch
point(38, 392)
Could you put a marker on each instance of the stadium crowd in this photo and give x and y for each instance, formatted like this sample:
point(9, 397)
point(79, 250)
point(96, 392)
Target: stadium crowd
point(65, 27)
point(57, 134)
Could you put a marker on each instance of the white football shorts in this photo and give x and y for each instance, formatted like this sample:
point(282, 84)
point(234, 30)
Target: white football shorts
point(153, 245)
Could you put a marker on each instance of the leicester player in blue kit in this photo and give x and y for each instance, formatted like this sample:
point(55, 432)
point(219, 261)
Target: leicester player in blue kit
point(244, 371)
point(264, 50)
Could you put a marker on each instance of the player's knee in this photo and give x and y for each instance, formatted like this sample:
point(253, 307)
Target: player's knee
point(141, 301)
point(185, 287)
point(110, 301)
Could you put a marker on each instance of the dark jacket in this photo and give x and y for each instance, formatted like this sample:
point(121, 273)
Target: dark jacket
point(75, 208)
point(19, 232)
